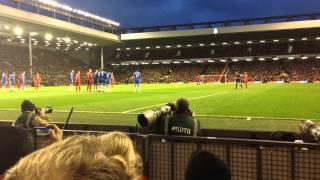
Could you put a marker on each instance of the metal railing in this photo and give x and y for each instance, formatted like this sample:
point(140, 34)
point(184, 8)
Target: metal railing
point(166, 157)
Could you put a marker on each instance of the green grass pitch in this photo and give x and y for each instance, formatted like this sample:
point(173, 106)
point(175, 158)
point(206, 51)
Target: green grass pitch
point(219, 106)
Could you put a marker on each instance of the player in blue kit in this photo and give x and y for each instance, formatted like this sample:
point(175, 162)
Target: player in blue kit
point(137, 81)
point(108, 80)
point(4, 80)
point(12, 78)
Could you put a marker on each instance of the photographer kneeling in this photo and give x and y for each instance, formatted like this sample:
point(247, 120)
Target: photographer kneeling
point(31, 116)
point(182, 121)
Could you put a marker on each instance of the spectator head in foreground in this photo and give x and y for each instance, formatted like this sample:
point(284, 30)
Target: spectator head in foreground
point(117, 143)
point(15, 144)
point(182, 106)
point(75, 158)
point(206, 166)
point(27, 106)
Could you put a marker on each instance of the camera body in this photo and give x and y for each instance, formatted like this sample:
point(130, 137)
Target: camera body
point(46, 110)
point(42, 131)
point(153, 120)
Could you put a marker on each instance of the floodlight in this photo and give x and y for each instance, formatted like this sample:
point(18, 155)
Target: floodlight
point(215, 31)
point(48, 37)
point(18, 31)
point(67, 39)
point(34, 34)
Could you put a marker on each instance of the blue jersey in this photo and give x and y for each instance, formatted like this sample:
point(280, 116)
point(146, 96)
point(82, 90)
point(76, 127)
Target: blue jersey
point(4, 79)
point(108, 77)
point(71, 77)
point(137, 77)
point(103, 77)
point(12, 78)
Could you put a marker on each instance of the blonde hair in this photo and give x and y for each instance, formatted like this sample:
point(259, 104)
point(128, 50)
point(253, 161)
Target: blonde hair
point(117, 143)
point(77, 157)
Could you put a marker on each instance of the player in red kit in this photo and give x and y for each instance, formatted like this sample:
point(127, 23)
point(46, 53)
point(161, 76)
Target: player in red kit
point(246, 79)
point(78, 81)
point(89, 80)
point(37, 81)
point(198, 79)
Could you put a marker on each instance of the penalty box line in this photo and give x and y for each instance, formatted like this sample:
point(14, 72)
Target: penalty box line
point(190, 99)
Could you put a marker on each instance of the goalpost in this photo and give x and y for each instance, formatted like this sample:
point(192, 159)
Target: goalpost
point(214, 78)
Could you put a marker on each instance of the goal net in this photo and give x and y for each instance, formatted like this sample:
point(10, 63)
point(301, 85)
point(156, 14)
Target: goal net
point(214, 78)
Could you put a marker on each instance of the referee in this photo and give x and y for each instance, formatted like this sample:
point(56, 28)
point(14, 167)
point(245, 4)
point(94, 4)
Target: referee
point(238, 80)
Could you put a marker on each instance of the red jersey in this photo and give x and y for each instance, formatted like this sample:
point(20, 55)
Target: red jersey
point(37, 78)
point(246, 77)
point(198, 78)
point(78, 79)
point(89, 76)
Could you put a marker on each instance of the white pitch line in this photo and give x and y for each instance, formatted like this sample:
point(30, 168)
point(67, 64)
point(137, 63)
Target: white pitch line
point(194, 98)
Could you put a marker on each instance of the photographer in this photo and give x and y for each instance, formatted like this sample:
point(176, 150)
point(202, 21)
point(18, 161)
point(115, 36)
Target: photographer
point(182, 122)
point(31, 117)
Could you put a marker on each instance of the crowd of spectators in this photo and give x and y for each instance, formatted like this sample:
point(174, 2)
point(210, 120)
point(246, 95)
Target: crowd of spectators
point(54, 67)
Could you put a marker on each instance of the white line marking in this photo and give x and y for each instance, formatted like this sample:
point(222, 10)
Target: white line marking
point(190, 99)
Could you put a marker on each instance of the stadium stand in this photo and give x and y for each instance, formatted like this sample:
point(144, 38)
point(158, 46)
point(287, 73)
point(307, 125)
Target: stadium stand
point(53, 66)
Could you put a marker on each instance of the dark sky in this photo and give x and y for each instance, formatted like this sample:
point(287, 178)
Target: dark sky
point(135, 13)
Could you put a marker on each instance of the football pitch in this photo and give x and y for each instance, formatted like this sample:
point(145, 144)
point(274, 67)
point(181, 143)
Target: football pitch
point(265, 107)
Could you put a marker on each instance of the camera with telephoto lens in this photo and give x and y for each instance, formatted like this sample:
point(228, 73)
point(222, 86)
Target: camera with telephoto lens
point(47, 110)
point(310, 128)
point(152, 120)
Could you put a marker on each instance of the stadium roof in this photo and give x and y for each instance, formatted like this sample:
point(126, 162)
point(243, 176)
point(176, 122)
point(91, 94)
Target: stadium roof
point(246, 29)
point(44, 28)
